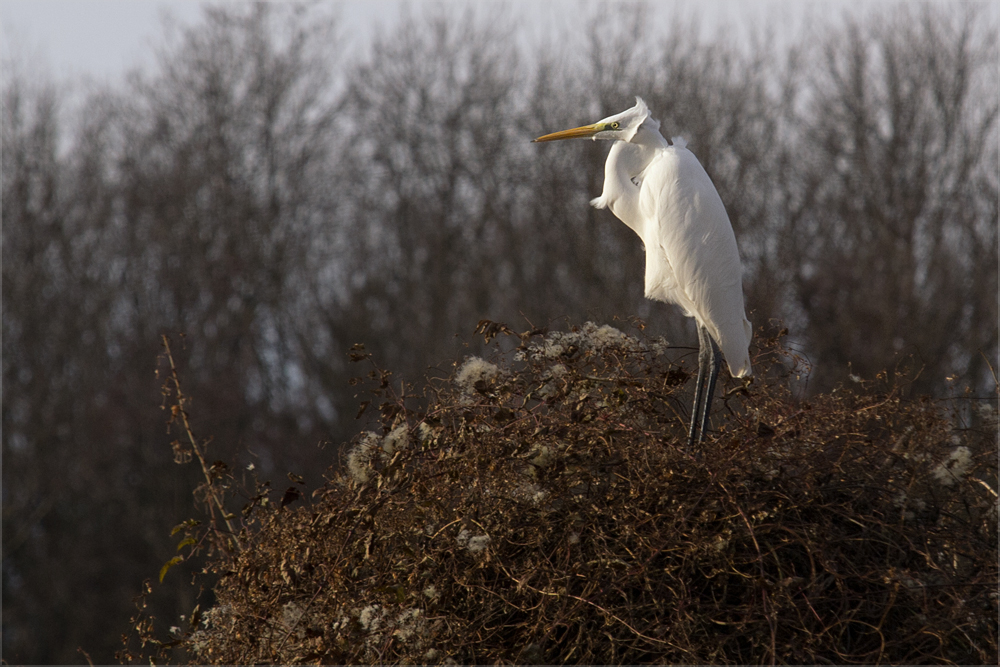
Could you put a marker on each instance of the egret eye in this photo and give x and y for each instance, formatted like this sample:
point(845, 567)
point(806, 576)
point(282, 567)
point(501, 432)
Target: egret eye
point(614, 125)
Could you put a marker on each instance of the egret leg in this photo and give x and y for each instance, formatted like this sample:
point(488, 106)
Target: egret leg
point(709, 361)
point(699, 391)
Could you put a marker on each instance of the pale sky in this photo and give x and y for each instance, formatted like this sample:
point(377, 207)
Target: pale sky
point(105, 38)
point(102, 39)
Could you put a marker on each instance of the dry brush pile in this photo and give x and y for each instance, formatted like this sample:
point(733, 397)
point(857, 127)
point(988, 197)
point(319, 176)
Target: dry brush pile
point(541, 507)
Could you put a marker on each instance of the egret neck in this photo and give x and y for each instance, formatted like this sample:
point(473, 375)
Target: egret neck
point(623, 173)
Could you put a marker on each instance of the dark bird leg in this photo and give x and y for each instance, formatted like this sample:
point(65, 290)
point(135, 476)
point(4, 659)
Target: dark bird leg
point(709, 359)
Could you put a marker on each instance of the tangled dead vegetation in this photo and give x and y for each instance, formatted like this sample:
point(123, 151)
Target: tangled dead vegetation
point(541, 507)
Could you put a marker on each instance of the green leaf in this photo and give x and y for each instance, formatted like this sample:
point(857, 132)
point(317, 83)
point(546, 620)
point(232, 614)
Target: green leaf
point(169, 564)
point(185, 542)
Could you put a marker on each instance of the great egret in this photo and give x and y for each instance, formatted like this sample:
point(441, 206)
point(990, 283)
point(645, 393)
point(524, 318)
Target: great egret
point(665, 196)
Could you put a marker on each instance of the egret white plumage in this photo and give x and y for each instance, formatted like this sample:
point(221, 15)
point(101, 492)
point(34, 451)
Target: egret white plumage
point(661, 191)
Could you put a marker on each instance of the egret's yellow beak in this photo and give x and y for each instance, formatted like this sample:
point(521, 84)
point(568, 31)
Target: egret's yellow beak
point(584, 132)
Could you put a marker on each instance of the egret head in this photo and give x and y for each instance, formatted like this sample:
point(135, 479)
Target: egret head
point(620, 127)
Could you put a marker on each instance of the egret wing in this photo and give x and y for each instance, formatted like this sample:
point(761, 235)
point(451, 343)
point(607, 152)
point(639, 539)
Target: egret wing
point(691, 254)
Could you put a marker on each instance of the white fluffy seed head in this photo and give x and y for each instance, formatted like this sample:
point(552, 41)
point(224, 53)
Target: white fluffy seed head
point(359, 459)
point(955, 467)
point(474, 370)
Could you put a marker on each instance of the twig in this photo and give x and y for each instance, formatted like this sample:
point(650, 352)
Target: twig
point(178, 410)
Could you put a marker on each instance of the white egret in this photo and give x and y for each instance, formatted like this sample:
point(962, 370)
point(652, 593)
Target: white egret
point(665, 196)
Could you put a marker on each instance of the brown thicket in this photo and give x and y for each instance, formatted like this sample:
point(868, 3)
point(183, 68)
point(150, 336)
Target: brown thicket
point(541, 507)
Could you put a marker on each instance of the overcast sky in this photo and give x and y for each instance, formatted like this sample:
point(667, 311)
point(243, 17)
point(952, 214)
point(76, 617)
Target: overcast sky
point(101, 39)
point(104, 38)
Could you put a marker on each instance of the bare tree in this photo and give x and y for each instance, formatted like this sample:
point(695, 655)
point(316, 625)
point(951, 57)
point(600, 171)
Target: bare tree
point(428, 181)
point(894, 241)
point(222, 164)
point(181, 205)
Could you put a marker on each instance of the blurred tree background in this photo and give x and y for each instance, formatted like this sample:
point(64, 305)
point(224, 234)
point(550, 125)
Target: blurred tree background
point(277, 200)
